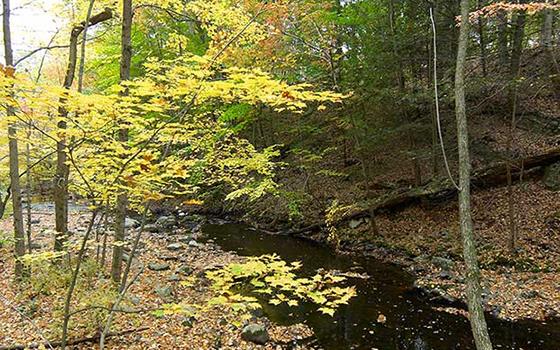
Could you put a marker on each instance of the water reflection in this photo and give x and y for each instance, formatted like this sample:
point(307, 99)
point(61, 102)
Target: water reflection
point(411, 323)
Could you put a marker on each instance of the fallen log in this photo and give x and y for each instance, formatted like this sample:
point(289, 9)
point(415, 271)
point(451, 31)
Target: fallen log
point(490, 176)
point(56, 344)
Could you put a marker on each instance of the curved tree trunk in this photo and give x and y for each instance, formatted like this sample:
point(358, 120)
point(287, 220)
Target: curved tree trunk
point(474, 299)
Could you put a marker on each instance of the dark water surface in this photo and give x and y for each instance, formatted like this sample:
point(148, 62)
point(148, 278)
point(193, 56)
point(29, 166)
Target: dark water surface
point(412, 323)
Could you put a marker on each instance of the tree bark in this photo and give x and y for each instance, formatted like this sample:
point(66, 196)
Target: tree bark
point(83, 47)
point(482, 42)
point(517, 44)
point(60, 190)
point(19, 233)
point(28, 188)
point(74, 280)
point(546, 30)
point(503, 38)
point(122, 200)
point(473, 289)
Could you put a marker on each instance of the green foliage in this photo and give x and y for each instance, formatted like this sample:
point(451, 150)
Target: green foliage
point(5, 239)
point(237, 116)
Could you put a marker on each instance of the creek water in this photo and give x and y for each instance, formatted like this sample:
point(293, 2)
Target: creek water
point(412, 322)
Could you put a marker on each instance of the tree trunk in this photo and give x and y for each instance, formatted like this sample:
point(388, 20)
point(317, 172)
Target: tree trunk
point(546, 30)
point(503, 38)
point(19, 233)
point(74, 280)
point(122, 200)
point(62, 171)
point(482, 42)
point(517, 44)
point(28, 188)
point(83, 48)
point(473, 290)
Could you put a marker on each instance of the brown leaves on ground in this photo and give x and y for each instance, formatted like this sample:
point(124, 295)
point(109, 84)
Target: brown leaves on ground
point(210, 329)
point(524, 284)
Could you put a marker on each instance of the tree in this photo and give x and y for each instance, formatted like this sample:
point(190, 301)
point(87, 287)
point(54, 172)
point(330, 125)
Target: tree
point(120, 213)
point(60, 187)
point(474, 298)
point(19, 233)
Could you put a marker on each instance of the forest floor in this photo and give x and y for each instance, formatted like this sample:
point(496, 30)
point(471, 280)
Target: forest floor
point(426, 238)
point(31, 312)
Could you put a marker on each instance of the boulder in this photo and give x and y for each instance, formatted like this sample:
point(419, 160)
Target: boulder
point(173, 278)
point(164, 292)
point(443, 263)
point(134, 300)
point(131, 223)
point(175, 246)
point(529, 294)
point(184, 270)
point(188, 321)
point(158, 266)
point(354, 223)
point(193, 243)
point(551, 178)
point(255, 333)
point(446, 275)
point(166, 222)
point(184, 238)
point(151, 228)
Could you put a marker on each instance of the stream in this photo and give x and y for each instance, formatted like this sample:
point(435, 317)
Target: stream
point(412, 322)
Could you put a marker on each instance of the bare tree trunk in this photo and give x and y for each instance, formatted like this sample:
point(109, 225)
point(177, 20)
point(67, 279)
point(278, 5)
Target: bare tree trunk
point(62, 170)
point(28, 188)
point(122, 200)
point(546, 43)
point(482, 42)
point(19, 233)
point(503, 37)
point(83, 48)
point(399, 72)
point(473, 290)
point(546, 30)
point(509, 176)
point(104, 247)
point(517, 45)
point(74, 280)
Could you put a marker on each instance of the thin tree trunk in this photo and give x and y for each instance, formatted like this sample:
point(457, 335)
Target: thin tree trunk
point(122, 200)
point(74, 280)
point(104, 248)
point(503, 37)
point(482, 42)
point(546, 30)
point(509, 177)
point(19, 233)
point(473, 289)
point(62, 169)
point(83, 48)
point(28, 188)
point(435, 145)
point(517, 45)
point(399, 72)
